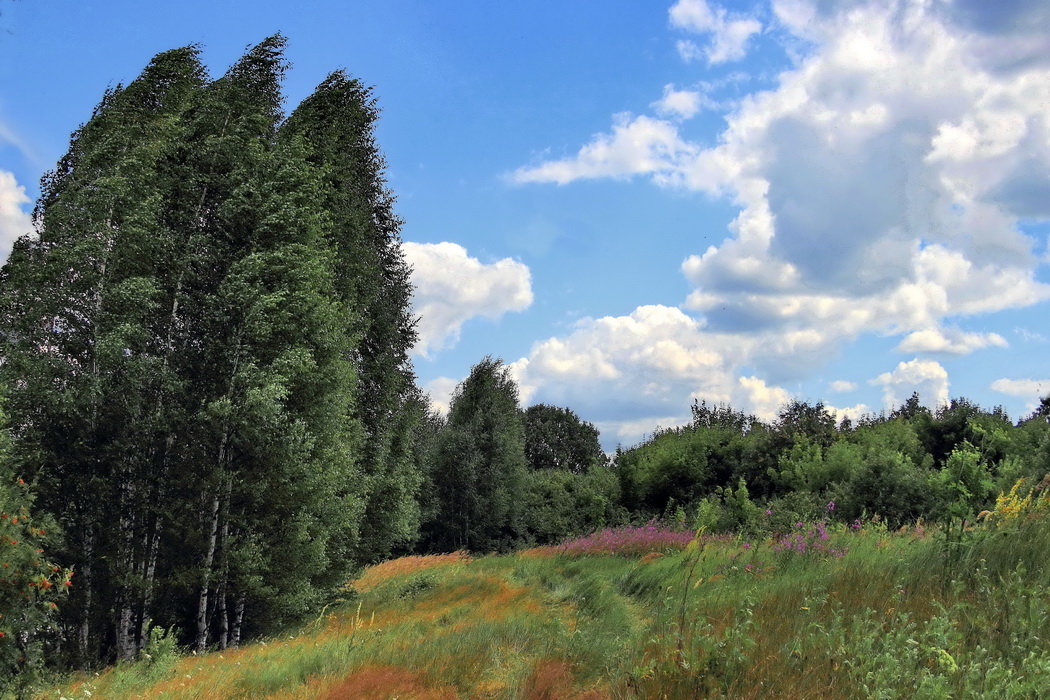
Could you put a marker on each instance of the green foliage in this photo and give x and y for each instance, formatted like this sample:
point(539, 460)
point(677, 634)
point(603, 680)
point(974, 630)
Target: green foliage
point(479, 465)
point(887, 484)
point(31, 587)
point(730, 510)
point(965, 482)
point(336, 128)
point(556, 438)
point(207, 348)
point(156, 662)
point(557, 504)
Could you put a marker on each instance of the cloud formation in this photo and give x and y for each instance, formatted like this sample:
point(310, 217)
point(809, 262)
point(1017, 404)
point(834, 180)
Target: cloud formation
point(440, 391)
point(451, 287)
point(681, 104)
point(637, 146)
point(881, 185)
point(949, 340)
point(729, 34)
point(926, 377)
point(1031, 390)
point(14, 220)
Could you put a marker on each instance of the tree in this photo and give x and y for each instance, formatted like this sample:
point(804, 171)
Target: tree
point(186, 366)
point(799, 420)
point(556, 438)
point(336, 124)
point(480, 464)
point(86, 330)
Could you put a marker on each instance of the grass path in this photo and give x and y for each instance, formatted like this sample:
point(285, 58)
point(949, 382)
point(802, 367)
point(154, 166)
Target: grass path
point(863, 614)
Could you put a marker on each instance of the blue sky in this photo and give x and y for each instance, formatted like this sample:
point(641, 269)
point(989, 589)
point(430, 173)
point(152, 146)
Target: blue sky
point(636, 204)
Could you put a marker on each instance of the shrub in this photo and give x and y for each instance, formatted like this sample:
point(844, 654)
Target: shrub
point(30, 588)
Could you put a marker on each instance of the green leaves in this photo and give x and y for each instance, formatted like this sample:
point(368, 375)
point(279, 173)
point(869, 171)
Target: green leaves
point(207, 348)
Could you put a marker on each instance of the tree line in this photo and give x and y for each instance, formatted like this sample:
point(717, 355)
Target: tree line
point(205, 356)
point(211, 418)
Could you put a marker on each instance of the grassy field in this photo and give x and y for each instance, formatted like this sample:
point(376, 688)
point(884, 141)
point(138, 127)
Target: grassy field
point(824, 612)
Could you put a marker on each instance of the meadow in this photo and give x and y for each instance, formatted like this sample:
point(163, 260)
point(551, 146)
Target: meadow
point(827, 610)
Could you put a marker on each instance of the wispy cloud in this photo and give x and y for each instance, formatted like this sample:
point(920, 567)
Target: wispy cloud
point(728, 34)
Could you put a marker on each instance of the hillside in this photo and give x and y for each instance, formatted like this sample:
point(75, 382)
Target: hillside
point(826, 611)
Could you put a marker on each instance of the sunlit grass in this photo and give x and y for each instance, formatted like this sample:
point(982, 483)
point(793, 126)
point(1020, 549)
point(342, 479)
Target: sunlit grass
point(861, 613)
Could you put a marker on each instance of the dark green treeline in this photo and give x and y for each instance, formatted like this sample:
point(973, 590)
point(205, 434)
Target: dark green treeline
point(206, 355)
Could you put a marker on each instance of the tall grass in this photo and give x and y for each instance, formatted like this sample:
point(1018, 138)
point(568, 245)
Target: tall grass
point(848, 613)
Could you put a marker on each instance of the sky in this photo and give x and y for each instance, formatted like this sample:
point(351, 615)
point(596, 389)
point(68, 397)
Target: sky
point(641, 204)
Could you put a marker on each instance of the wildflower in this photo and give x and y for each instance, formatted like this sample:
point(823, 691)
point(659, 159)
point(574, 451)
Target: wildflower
point(830, 506)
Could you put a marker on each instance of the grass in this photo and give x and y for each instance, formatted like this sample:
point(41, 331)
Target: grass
point(851, 614)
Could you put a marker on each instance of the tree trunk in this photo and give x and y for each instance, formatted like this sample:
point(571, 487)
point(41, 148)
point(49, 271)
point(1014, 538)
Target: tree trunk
point(86, 578)
point(238, 619)
point(148, 583)
point(126, 568)
point(224, 621)
point(209, 557)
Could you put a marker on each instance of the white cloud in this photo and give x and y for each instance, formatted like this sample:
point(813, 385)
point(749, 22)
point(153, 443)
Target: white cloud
point(1029, 389)
point(643, 368)
point(637, 146)
point(633, 432)
point(880, 182)
point(14, 220)
point(451, 288)
point(854, 412)
point(841, 386)
point(682, 104)
point(729, 33)
point(926, 377)
point(949, 340)
point(1030, 336)
point(440, 392)
point(758, 398)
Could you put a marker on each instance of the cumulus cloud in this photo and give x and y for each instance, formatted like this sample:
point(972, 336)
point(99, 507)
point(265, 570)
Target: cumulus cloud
point(451, 287)
point(633, 432)
point(440, 391)
point(854, 412)
point(949, 340)
point(729, 34)
point(841, 386)
point(14, 220)
point(758, 398)
point(1031, 390)
point(681, 104)
point(642, 369)
point(637, 146)
point(875, 195)
point(882, 182)
point(926, 377)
